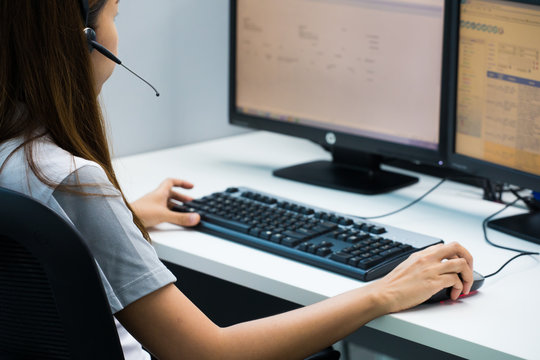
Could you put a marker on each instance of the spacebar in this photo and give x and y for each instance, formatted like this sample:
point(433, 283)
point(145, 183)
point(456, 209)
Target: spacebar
point(229, 224)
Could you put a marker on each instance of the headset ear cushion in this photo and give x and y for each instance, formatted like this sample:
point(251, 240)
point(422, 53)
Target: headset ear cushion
point(90, 37)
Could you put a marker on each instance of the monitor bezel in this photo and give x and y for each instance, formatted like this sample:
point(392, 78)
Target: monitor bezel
point(465, 163)
point(359, 143)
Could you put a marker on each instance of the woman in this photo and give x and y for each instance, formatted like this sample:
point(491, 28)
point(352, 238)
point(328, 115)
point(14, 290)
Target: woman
point(53, 147)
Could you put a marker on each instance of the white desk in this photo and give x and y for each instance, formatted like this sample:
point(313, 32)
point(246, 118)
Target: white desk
point(502, 321)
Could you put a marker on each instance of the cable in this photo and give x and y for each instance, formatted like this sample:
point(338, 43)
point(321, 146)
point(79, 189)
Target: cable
point(509, 261)
point(406, 206)
point(531, 203)
point(484, 228)
point(417, 200)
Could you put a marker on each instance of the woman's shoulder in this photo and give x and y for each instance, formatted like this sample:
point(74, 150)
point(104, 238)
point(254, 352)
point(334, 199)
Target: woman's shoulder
point(52, 163)
point(57, 163)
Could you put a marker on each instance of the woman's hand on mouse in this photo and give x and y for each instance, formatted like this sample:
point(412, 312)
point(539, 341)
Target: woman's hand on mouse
point(155, 207)
point(425, 273)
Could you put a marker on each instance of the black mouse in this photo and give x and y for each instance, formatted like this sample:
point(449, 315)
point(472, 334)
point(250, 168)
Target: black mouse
point(444, 294)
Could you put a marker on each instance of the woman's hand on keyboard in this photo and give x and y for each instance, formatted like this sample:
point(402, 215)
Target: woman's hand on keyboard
point(154, 207)
point(425, 273)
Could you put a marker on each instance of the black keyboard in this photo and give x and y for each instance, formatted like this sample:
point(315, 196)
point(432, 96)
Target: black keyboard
point(340, 243)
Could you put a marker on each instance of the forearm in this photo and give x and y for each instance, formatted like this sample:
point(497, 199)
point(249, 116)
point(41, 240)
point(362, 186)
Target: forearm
point(299, 333)
point(171, 326)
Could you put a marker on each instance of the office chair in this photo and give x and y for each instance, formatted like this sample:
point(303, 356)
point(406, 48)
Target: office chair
point(52, 301)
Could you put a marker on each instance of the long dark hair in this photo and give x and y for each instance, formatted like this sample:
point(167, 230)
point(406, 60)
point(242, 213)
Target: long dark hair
point(45, 66)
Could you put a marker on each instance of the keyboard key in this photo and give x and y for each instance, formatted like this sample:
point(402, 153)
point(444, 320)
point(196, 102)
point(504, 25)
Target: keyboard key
point(366, 227)
point(290, 242)
point(353, 239)
point(378, 230)
point(307, 232)
point(363, 235)
point(248, 195)
point(326, 244)
point(295, 235)
point(325, 216)
point(334, 219)
point(391, 252)
point(342, 237)
point(277, 238)
point(229, 224)
point(405, 248)
point(324, 251)
point(345, 221)
point(370, 262)
point(341, 257)
point(255, 231)
point(328, 224)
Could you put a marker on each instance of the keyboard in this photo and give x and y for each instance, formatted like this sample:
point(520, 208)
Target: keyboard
point(341, 243)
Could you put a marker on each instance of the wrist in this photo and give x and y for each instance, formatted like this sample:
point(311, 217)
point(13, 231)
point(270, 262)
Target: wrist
point(380, 298)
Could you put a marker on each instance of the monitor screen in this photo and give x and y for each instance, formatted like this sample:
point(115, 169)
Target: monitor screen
point(358, 74)
point(495, 116)
point(498, 93)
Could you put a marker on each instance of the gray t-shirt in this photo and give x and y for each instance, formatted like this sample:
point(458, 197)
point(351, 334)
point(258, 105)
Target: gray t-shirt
point(129, 265)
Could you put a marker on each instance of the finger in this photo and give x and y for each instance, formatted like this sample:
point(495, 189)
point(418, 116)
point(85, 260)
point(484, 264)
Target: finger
point(453, 281)
point(457, 289)
point(181, 183)
point(169, 183)
point(454, 249)
point(183, 219)
point(179, 197)
point(461, 267)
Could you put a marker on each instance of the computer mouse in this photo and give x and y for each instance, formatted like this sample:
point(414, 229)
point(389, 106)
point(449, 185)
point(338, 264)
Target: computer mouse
point(444, 294)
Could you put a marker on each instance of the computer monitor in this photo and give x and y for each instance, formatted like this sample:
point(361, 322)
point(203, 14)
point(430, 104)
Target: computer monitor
point(362, 78)
point(495, 106)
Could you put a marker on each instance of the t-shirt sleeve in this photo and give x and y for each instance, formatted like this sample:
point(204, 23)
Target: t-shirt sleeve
point(128, 264)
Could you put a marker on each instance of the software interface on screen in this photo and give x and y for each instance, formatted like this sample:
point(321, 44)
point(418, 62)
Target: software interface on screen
point(498, 110)
point(364, 67)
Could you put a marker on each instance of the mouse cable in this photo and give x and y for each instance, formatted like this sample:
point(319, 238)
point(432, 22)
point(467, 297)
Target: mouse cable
point(484, 228)
point(488, 219)
point(406, 206)
point(509, 261)
point(417, 200)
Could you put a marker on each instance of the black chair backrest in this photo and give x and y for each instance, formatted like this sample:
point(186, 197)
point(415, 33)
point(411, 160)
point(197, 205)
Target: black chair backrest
point(52, 301)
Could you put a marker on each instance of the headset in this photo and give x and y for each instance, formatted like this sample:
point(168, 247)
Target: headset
point(90, 35)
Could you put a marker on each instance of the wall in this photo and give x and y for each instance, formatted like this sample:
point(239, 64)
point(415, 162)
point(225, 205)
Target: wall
point(181, 47)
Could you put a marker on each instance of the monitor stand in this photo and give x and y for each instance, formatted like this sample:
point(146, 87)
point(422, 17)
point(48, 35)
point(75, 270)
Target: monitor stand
point(349, 171)
point(524, 226)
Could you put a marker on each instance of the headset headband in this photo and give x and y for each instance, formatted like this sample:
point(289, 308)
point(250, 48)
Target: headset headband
point(84, 11)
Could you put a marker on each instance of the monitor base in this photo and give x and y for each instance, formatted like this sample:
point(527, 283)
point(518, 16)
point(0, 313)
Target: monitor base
point(345, 177)
point(524, 226)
